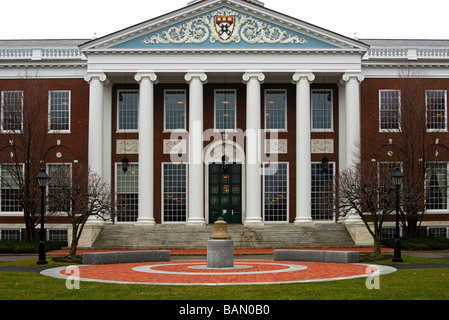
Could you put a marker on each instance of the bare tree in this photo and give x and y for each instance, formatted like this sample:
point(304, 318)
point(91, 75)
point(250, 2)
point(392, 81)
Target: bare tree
point(24, 145)
point(80, 195)
point(361, 190)
point(413, 146)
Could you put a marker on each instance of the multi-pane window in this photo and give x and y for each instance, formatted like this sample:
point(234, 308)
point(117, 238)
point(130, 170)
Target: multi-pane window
point(436, 185)
point(57, 235)
point(225, 109)
point(174, 192)
point(323, 192)
point(436, 109)
point(12, 111)
point(128, 110)
point(389, 110)
point(322, 110)
point(275, 110)
point(10, 235)
point(59, 111)
point(275, 192)
point(175, 110)
point(10, 190)
point(127, 188)
point(58, 192)
point(437, 232)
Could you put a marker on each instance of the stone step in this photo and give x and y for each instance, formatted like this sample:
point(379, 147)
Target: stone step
point(195, 237)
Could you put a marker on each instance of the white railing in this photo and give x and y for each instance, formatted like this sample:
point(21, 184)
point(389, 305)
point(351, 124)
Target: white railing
point(41, 54)
point(408, 53)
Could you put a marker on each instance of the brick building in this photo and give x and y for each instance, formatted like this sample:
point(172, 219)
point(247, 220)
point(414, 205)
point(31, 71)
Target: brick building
point(221, 108)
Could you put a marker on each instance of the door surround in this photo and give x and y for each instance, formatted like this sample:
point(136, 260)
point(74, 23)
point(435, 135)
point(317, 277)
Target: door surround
point(213, 154)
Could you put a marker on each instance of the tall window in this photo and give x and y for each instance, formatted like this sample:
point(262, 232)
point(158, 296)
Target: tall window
point(389, 110)
point(128, 109)
point(436, 108)
point(275, 177)
point(275, 110)
point(322, 110)
point(10, 190)
point(174, 192)
point(59, 111)
point(436, 185)
point(127, 188)
point(175, 110)
point(225, 109)
point(384, 172)
point(323, 192)
point(57, 192)
point(12, 111)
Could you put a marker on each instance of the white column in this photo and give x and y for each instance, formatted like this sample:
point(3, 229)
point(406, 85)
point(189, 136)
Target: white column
point(303, 149)
point(96, 114)
point(107, 131)
point(146, 146)
point(196, 170)
point(253, 82)
point(352, 95)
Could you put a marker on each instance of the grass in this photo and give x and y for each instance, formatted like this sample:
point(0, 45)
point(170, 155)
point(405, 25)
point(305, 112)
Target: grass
point(411, 284)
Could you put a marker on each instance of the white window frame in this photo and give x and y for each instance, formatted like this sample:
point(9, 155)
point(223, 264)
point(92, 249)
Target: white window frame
point(118, 130)
point(10, 213)
point(311, 192)
point(267, 91)
point(163, 193)
point(2, 114)
point(234, 91)
point(445, 111)
point(446, 187)
point(117, 168)
point(287, 217)
point(184, 128)
point(50, 111)
point(399, 110)
point(313, 129)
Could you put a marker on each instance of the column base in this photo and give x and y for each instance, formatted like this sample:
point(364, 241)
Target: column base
point(299, 221)
point(196, 222)
point(146, 221)
point(253, 223)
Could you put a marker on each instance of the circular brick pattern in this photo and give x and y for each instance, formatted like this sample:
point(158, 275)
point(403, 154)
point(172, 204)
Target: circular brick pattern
point(197, 273)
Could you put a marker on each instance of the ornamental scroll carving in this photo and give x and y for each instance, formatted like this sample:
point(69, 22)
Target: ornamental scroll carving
point(322, 146)
point(225, 26)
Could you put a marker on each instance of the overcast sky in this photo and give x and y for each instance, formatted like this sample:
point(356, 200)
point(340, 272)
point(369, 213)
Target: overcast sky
point(84, 19)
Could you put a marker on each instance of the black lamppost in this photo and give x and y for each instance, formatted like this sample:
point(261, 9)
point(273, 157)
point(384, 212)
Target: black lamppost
point(397, 181)
point(42, 179)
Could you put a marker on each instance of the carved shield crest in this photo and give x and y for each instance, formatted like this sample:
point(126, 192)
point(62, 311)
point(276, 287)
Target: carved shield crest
point(224, 25)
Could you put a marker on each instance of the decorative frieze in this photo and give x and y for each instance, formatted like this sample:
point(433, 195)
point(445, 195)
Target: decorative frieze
point(225, 26)
point(128, 146)
point(322, 146)
point(276, 146)
point(175, 146)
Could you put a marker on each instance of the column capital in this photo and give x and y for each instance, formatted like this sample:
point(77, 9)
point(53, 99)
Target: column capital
point(196, 74)
point(353, 75)
point(95, 75)
point(303, 75)
point(146, 74)
point(253, 74)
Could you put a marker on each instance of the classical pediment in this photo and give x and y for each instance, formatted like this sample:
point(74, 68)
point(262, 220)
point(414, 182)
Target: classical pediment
point(224, 25)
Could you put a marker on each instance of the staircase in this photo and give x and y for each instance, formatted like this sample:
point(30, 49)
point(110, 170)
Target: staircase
point(120, 236)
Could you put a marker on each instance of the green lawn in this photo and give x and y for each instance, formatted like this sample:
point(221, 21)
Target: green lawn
point(419, 284)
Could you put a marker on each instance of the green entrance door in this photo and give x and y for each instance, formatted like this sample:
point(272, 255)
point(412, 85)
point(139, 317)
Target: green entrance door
point(225, 192)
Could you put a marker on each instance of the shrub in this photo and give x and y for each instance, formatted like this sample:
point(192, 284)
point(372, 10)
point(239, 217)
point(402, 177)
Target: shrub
point(421, 243)
point(27, 247)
